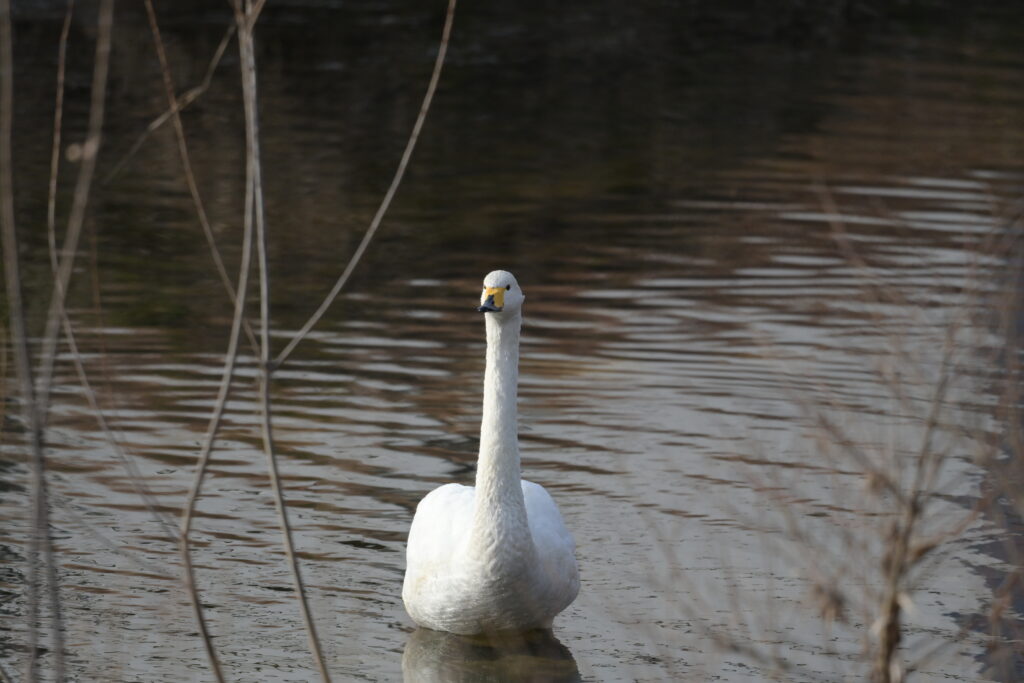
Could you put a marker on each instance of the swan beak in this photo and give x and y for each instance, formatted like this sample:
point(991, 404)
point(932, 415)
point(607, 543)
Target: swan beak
point(493, 300)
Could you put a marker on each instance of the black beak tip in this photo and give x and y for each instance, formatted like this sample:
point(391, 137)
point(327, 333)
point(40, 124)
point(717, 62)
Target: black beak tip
point(488, 305)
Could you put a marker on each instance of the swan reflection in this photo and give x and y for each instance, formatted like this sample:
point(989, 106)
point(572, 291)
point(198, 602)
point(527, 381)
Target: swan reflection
point(531, 656)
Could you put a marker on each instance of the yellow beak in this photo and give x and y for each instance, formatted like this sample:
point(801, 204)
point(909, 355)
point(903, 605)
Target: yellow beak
point(492, 300)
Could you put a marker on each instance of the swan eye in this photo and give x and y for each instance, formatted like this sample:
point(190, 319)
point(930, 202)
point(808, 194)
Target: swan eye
point(508, 287)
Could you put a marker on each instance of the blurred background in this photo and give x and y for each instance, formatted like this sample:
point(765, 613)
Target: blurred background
point(750, 235)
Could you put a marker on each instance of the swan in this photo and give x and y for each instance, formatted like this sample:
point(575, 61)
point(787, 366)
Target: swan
point(497, 556)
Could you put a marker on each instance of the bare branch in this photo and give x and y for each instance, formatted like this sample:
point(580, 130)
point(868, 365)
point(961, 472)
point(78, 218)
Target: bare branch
point(179, 105)
point(89, 154)
point(203, 461)
point(138, 482)
point(174, 112)
point(58, 314)
point(35, 401)
point(245, 20)
point(386, 203)
point(19, 338)
point(213, 427)
point(111, 545)
point(58, 115)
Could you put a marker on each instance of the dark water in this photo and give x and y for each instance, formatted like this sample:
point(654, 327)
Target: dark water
point(655, 185)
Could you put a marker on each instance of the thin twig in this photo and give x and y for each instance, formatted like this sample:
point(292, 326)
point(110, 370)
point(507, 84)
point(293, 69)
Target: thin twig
point(39, 534)
point(89, 154)
point(181, 103)
point(138, 482)
point(57, 313)
point(88, 528)
point(174, 112)
point(19, 338)
point(58, 115)
point(207, 449)
point(35, 400)
point(3, 385)
point(907, 552)
point(245, 20)
point(386, 203)
point(223, 392)
point(255, 8)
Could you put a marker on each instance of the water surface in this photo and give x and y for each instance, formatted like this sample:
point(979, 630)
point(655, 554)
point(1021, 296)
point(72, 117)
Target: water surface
point(688, 307)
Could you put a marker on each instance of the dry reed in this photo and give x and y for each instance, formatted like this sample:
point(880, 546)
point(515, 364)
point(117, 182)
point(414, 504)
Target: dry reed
point(410, 145)
point(35, 393)
point(245, 19)
point(873, 579)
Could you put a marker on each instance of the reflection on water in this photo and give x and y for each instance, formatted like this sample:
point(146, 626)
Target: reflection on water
point(531, 657)
point(660, 203)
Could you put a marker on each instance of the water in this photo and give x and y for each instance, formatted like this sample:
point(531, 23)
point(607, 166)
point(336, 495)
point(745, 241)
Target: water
point(688, 307)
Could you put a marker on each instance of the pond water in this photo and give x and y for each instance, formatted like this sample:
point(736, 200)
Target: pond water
point(659, 195)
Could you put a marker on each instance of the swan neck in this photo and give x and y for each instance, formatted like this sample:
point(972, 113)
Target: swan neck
point(499, 427)
point(500, 508)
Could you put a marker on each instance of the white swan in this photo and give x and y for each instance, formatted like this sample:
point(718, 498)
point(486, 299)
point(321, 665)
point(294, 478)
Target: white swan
point(497, 556)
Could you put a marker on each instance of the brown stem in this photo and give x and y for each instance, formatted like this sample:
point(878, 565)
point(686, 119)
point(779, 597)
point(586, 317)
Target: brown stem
point(186, 162)
point(179, 105)
point(388, 196)
point(19, 338)
point(245, 20)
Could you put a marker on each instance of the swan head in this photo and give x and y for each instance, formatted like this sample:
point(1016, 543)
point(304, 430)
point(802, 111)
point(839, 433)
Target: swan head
point(501, 295)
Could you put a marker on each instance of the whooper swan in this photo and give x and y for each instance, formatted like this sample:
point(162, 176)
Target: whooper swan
point(497, 556)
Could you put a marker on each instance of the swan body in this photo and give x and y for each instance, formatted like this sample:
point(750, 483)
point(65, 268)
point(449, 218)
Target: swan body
point(495, 556)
